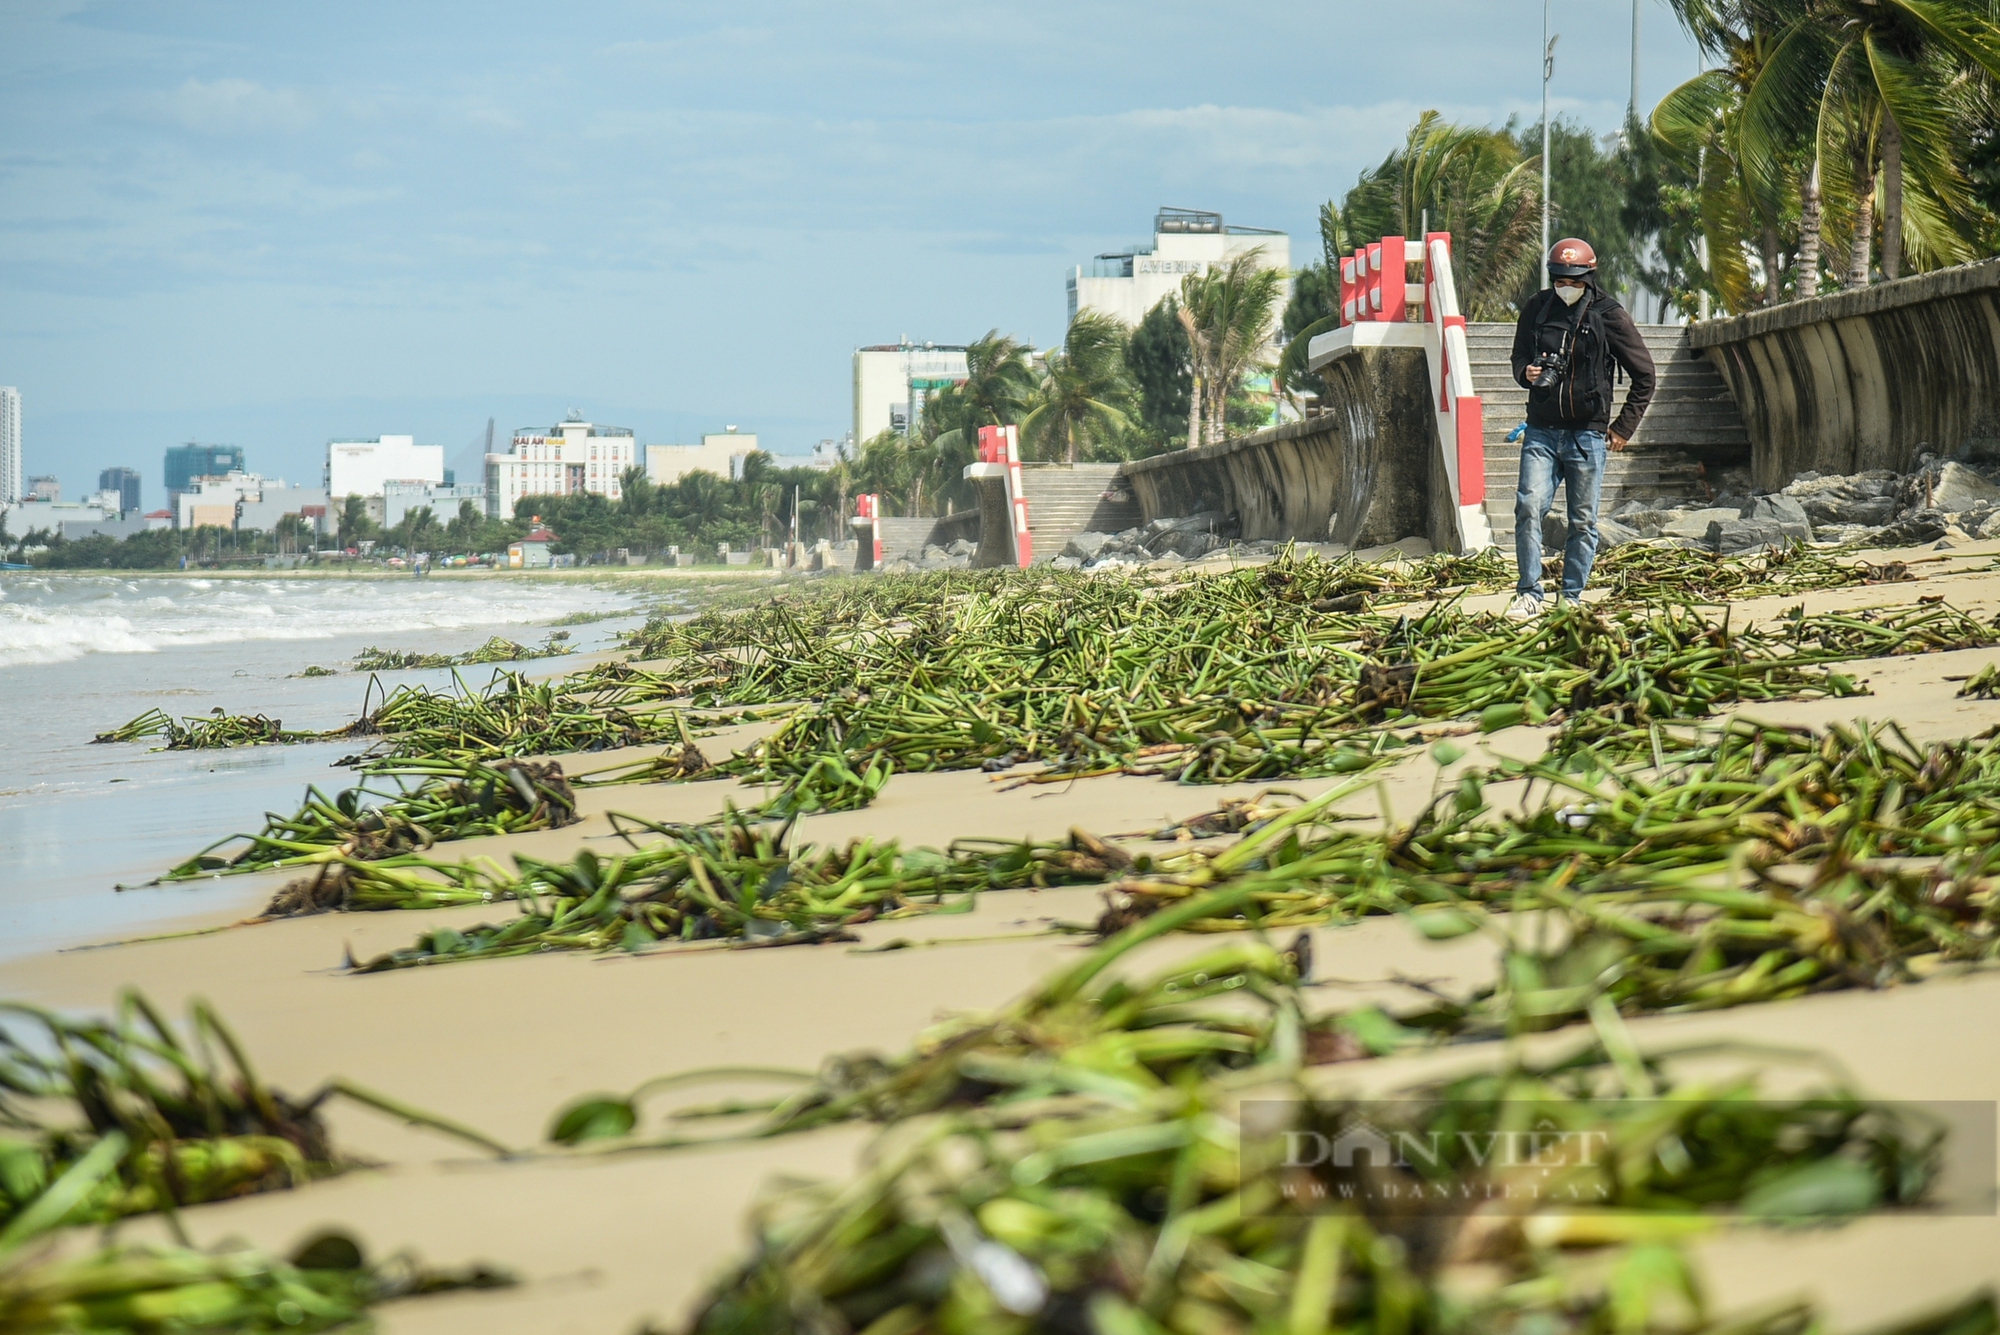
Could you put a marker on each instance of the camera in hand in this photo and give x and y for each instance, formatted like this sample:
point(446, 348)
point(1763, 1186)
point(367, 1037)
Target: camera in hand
point(1554, 366)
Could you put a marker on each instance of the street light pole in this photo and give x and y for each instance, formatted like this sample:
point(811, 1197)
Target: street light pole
point(1635, 60)
point(1548, 71)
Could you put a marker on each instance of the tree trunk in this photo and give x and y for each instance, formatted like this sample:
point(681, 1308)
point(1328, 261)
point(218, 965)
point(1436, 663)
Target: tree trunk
point(1197, 364)
point(1864, 219)
point(1892, 196)
point(1805, 269)
point(1070, 433)
point(1774, 291)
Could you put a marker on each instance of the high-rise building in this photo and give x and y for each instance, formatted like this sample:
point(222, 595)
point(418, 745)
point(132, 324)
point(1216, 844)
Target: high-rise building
point(571, 457)
point(185, 463)
point(12, 481)
point(45, 488)
point(124, 481)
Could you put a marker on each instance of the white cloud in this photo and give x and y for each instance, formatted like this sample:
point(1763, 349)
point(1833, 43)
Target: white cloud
point(231, 106)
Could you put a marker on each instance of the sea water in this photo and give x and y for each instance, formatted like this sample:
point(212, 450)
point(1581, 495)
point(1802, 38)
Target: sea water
point(81, 654)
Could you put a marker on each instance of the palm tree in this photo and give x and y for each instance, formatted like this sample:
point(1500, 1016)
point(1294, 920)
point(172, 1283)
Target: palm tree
point(1476, 184)
point(1884, 92)
point(1470, 181)
point(1083, 379)
point(426, 530)
point(1227, 314)
point(355, 525)
point(998, 390)
point(462, 532)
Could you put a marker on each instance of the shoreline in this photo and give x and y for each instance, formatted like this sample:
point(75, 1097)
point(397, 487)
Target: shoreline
point(502, 1044)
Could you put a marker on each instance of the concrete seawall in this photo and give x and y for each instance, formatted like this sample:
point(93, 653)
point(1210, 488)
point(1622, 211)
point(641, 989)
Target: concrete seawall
point(1361, 474)
point(1866, 379)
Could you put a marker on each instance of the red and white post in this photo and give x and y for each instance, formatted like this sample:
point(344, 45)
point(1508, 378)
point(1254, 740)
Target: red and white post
point(867, 525)
point(1001, 445)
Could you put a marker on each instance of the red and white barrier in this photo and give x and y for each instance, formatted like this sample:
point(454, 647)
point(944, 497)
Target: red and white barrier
point(1000, 449)
point(867, 524)
point(1375, 291)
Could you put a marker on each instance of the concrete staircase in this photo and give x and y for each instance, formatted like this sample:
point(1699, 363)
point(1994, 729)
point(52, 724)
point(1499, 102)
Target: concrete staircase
point(1691, 410)
point(1065, 500)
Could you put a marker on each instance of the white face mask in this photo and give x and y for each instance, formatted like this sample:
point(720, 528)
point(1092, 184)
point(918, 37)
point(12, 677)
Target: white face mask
point(1570, 295)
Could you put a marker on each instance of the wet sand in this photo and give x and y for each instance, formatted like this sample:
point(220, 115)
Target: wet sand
point(607, 1243)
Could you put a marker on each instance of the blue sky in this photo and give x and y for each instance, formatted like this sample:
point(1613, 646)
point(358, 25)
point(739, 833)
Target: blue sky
point(268, 224)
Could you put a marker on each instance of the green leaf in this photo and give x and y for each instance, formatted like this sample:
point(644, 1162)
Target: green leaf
point(1822, 1188)
point(594, 1119)
point(1443, 924)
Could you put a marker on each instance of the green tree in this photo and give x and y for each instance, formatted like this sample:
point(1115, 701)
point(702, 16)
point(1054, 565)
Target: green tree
point(999, 390)
point(1590, 184)
point(1159, 360)
point(1079, 401)
point(461, 535)
point(355, 526)
point(1471, 181)
point(1226, 312)
point(1853, 108)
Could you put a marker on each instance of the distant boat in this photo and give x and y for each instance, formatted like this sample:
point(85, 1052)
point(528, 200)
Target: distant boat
point(9, 565)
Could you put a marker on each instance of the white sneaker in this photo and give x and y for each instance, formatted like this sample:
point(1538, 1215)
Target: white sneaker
point(1524, 608)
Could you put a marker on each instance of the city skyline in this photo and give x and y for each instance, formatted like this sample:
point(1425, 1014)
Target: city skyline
point(277, 227)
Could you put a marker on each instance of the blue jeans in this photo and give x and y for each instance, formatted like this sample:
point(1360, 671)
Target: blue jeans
point(1576, 458)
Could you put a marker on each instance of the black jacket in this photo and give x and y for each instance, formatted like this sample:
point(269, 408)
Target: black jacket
point(1621, 339)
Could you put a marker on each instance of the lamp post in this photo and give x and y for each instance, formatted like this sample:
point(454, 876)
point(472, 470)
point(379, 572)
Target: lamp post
point(1634, 111)
point(1548, 71)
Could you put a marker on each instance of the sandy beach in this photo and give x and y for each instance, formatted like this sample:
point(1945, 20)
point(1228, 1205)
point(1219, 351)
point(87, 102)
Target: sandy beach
point(609, 1243)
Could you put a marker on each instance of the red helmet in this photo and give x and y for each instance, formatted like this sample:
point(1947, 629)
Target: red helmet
point(1572, 257)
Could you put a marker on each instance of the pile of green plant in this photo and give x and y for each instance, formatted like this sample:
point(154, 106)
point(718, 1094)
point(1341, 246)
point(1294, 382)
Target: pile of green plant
point(452, 801)
point(733, 879)
point(513, 716)
point(496, 650)
point(1276, 671)
point(199, 734)
point(1684, 870)
point(1649, 572)
point(1110, 1153)
point(327, 1284)
point(164, 1120)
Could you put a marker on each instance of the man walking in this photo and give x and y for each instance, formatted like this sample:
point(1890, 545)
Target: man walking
point(1565, 345)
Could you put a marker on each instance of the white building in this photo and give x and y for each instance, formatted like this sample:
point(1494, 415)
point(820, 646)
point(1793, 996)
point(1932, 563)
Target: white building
point(362, 467)
point(570, 458)
point(263, 512)
point(1128, 283)
point(720, 452)
point(130, 525)
point(30, 513)
point(892, 380)
point(399, 498)
point(13, 481)
point(212, 501)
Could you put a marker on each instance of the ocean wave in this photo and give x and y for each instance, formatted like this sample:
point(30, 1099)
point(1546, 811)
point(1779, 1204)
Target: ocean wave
point(30, 636)
point(45, 620)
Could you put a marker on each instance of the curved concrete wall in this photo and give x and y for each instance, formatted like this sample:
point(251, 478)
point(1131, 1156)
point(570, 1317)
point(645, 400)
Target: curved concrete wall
point(1866, 379)
point(1361, 474)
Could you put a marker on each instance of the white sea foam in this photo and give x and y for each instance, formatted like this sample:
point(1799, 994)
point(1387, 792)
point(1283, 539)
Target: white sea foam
point(54, 619)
